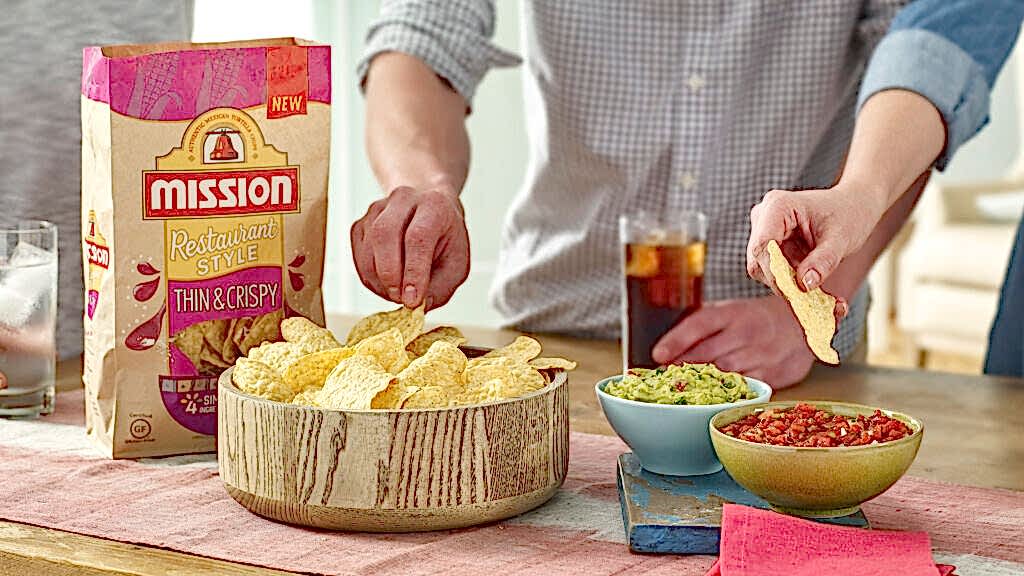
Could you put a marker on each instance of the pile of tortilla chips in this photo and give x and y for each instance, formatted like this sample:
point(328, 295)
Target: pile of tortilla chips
point(387, 363)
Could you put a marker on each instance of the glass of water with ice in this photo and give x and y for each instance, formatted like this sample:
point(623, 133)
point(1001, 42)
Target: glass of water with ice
point(28, 309)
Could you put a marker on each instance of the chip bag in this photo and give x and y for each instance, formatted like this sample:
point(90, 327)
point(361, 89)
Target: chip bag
point(204, 190)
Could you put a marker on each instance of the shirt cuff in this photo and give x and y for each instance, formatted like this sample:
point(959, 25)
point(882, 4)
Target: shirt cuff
point(462, 60)
point(930, 65)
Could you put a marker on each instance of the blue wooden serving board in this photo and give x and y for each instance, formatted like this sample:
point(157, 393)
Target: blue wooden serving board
point(683, 514)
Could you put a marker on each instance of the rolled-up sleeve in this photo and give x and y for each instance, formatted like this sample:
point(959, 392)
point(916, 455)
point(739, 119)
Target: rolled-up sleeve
point(453, 37)
point(950, 52)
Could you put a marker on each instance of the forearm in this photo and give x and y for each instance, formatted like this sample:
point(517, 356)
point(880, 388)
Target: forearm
point(851, 273)
point(897, 138)
point(415, 126)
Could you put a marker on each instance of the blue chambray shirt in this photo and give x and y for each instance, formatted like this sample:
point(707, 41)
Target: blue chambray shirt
point(950, 52)
point(667, 105)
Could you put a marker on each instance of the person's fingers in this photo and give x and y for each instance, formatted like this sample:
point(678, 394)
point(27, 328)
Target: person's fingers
point(386, 234)
point(764, 265)
point(451, 267)
point(842, 308)
point(716, 347)
point(819, 264)
point(755, 246)
point(703, 323)
point(362, 257)
point(774, 218)
point(421, 239)
point(743, 360)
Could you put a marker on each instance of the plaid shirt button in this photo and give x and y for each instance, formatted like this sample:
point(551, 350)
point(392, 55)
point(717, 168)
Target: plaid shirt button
point(696, 82)
point(688, 180)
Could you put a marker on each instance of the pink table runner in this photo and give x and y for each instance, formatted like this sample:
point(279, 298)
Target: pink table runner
point(53, 477)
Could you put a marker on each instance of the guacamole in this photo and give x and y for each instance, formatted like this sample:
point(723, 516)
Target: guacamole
point(686, 384)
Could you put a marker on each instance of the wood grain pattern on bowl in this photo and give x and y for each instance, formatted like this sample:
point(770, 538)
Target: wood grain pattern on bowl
point(393, 470)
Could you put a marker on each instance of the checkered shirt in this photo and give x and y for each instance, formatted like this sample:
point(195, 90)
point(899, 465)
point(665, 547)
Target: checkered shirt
point(660, 105)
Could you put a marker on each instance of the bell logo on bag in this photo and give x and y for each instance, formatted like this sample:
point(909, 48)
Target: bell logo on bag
point(212, 203)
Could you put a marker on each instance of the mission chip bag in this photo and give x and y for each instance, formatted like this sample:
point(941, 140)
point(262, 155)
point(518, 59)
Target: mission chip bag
point(204, 192)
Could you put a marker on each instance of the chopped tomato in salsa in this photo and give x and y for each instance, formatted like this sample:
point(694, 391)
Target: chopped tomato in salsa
point(807, 426)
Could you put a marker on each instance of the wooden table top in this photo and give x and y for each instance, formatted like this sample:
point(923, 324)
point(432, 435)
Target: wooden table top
point(974, 434)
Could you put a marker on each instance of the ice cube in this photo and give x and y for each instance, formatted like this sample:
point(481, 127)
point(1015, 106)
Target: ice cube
point(29, 255)
point(27, 278)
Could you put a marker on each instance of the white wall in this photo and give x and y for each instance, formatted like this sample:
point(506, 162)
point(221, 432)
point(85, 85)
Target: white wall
point(225, 20)
point(995, 149)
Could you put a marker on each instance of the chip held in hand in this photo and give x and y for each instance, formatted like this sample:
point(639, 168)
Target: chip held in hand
point(815, 310)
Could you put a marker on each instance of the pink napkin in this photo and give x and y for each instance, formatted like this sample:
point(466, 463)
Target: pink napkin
point(763, 543)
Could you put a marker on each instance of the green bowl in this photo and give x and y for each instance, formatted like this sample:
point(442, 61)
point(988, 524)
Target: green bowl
point(815, 482)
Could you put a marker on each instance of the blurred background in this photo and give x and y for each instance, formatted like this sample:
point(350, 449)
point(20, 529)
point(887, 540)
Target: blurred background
point(934, 291)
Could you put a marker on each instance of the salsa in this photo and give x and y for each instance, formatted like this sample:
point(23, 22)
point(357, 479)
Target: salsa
point(687, 384)
point(805, 425)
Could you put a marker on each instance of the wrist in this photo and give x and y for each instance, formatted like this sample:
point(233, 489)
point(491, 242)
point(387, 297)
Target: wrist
point(865, 195)
point(441, 194)
point(438, 184)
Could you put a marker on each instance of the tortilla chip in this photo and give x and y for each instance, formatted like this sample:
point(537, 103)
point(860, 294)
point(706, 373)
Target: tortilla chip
point(311, 370)
point(306, 397)
point(229, 350)
point(516, 378)
point(258, 379)
point(189, 342)
point(387, 348)
point(408, 322)
point(815, 310)
point(430, 397)
point(303, 331)
point(393, 397)
point(354, 383)
point(277, 355)
point(440, 367)
point(487, 391)
point(212, 357)
point(264, 328)
point(240, 330)
point(522, 348)
point(552, 363)
point(421, 343)
point(215, 332)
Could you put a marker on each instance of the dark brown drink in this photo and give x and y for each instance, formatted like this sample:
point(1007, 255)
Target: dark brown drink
point(664, 283)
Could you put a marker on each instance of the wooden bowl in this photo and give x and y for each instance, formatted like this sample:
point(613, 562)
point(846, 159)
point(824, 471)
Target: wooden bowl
point(393, 470)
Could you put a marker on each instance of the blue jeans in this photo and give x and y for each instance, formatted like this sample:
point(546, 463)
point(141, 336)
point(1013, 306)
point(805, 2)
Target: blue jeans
point(1006, 341)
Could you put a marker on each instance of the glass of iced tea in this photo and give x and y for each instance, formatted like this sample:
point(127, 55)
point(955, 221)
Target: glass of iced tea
point(663, 277)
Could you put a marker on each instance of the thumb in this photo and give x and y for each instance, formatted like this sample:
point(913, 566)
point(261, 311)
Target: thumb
point(819, 264)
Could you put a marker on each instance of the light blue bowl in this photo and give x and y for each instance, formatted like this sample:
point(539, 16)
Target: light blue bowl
point(668, 438)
